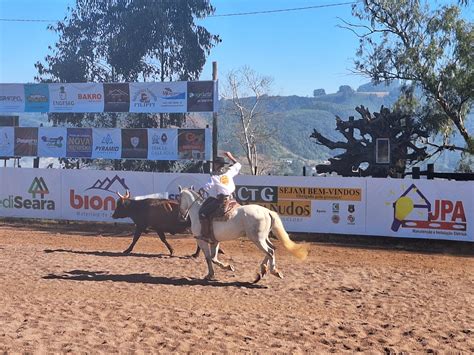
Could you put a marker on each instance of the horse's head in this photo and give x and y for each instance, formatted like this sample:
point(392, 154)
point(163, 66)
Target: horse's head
point(187, 199)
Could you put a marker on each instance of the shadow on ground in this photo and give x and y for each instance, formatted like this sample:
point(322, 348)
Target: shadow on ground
point(145, 278)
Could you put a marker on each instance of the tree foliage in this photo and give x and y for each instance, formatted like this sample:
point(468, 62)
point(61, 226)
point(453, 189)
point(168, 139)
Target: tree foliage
point(128, 41)
point(430, 49)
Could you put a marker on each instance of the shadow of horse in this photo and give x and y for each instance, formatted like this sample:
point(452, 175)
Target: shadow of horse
point(146, 278)
point(115, 254)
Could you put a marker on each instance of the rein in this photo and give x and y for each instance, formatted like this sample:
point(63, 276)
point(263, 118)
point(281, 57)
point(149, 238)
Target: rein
point(186, 214)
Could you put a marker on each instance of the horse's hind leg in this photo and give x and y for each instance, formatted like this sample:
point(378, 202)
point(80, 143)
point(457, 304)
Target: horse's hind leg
point(163, 239)
point(208, 254)
point(269, 256)
point(214, 253)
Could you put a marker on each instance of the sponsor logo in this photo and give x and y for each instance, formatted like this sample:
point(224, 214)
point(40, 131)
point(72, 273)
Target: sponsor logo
point(107, 146)
point(335, 208)
point(320, 193)
point(351, 208)
point(91, 97)
point(97, 202)
point(440, 216)
point(144, 98)
point(256, 194)
point(38, 190)
point(117, 96)
point(290, 208)
point(351, 219)
point(11, 98)
point(335, 219)
point(37, 98)
point(53, 141)
point(62, 99)
point(169, 94)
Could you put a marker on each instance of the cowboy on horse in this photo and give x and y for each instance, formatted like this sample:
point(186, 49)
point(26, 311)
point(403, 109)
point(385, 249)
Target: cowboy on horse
point(220, 188)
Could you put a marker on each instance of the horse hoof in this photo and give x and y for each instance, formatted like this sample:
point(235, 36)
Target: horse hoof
point(277, 274)
point(195, 255)
point(128, 251)
point(209, 278)
point(231, 268)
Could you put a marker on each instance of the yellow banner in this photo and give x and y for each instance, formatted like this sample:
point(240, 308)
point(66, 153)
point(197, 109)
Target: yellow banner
point(320, 193)
point(290, 208)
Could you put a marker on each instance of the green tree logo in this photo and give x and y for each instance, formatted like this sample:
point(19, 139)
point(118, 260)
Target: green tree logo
point(38, 186)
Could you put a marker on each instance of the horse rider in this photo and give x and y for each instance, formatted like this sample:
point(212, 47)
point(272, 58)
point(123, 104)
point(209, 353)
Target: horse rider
point(220, 188)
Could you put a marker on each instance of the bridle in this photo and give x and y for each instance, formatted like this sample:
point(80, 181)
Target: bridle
point(185, 215)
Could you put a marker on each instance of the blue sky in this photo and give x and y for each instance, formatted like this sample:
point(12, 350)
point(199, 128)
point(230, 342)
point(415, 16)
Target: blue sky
point(302, 50)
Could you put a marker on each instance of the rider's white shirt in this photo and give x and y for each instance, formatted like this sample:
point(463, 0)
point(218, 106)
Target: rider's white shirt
point(223, 184)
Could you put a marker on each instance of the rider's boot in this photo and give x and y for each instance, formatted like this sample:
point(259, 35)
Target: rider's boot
point(206, 233)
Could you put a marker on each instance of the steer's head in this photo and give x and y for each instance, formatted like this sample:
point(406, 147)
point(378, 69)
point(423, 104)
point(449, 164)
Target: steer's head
point(122, 209)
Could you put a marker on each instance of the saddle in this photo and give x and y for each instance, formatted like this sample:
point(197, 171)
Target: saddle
point(225, 210)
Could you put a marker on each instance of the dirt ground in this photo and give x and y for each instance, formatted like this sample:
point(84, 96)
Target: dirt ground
point(70, 289)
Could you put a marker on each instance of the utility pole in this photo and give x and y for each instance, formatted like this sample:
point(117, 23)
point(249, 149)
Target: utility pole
point(214, 116)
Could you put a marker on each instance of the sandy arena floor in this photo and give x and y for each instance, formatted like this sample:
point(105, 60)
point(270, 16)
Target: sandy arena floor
point(66, 290)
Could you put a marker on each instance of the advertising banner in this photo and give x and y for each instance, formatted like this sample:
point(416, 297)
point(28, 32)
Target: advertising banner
point(7, 141)
point(172, 96)
point(26, 141)
point(317, 205)
point(79, 142)
point(116, 97)
point(166, 97)
point(30, 193)
point(200, 96)
point(421, 208)
point(91, 195)
point(162, 144)
point(80, 97)
point(52, 142)
point(169, 183)
point(134, 143)
point(107, 143)
point(192, 144)
point(12, 98)
point(36, 97)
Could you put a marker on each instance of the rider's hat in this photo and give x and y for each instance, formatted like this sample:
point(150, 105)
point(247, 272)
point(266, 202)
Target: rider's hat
point(219, 160)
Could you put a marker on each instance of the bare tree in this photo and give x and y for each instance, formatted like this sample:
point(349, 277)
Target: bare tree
point(246, 92)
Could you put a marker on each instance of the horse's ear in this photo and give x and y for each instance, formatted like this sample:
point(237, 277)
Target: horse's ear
point(180, 188)
point(192, 187)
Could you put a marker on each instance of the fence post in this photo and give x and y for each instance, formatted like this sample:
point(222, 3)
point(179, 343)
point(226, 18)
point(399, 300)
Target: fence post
point(430, 171)
point(415, 172)
point(304, 170)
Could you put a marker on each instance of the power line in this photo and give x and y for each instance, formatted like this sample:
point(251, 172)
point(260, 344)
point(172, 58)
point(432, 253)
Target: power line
point(284, 10)
point(223, 15)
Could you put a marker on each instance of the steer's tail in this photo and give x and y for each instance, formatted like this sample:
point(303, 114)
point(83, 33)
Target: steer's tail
point(298, 250)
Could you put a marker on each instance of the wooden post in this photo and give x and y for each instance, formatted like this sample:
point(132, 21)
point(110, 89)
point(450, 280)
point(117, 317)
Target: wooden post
point(415, 172)
point(214, 116)
point(430, 171)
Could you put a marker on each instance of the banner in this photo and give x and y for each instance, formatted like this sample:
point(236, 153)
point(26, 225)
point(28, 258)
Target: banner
point(7, 141)
point(107, 143)
point(116, 98)
point(30, 193)
point(154, 97)
point(192, 144)
point(162, 144)
point(52, 142)
point(12, 98)
point(36, 97)
point(91, 195)
point(26, 141)
point(80, 97)
point(79, 143)
point(134, 143)
point(432, 209)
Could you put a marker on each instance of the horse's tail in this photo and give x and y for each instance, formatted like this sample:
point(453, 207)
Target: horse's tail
point(298, 250)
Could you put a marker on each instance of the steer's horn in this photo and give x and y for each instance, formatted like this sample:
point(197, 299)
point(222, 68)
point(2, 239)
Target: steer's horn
point(118, 193)
point(127, 194)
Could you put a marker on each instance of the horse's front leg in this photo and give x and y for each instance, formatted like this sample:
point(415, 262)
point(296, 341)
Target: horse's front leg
point(207, 253)
point(215, 260)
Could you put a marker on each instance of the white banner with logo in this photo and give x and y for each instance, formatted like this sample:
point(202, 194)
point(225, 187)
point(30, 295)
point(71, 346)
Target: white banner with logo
point(7, 141)
point(163, 144)
point(91, 194)
point(52, 142)
point(30, 193)
point(79, 97)
point(106, 143)
point(379, 207)
point(12, 98)
point(319, 205)
point(431, 209)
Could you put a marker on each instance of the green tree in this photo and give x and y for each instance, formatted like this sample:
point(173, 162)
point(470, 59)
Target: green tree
point(127, 41)
point(427, 49)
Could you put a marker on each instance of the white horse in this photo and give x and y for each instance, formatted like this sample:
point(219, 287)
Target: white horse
point(253, 221)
